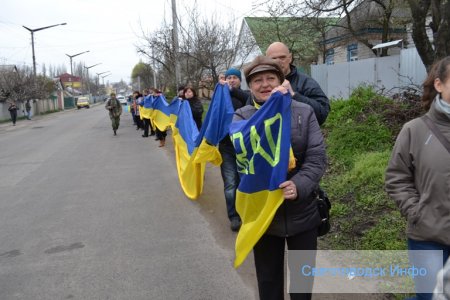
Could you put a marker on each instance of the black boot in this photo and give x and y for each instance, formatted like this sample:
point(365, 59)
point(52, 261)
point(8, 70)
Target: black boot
point(235, 224)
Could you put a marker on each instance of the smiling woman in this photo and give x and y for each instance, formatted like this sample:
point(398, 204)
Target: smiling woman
point(297, 219)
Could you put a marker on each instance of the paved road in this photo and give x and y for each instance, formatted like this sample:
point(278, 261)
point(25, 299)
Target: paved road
point(88, 215)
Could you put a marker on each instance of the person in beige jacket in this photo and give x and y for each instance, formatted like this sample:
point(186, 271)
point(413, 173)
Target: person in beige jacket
point(418, 174)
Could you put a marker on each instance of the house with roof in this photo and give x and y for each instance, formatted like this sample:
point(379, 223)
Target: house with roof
point(362, 53)
point(370, 30)
point(68, 80)
point(301, 35)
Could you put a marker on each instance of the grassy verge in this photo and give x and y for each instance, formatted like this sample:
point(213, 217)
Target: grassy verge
point(360, 133)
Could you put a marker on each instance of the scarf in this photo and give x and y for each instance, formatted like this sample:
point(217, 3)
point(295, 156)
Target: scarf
point(442, 105)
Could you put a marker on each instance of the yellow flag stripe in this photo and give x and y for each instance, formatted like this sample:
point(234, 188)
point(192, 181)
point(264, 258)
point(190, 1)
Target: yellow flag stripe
point(256, 211)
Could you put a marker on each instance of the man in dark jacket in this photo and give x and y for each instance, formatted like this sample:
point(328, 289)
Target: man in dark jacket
point(228, 167)
point(302, 87)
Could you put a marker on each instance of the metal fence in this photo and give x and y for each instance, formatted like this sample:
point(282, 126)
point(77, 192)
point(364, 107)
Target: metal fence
point(389, 74)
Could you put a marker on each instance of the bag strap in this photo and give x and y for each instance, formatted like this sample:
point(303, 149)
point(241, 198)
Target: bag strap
point(437, 132)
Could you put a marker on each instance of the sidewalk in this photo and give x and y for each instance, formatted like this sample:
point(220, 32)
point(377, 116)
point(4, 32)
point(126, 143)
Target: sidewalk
point(23, 122)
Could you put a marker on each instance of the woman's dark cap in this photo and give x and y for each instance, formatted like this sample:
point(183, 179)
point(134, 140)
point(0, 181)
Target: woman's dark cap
point(263, 64)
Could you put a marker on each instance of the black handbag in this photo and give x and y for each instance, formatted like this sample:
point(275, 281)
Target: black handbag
point(324, 206)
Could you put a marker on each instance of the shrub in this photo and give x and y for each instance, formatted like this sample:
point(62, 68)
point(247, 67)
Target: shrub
point(359, 136)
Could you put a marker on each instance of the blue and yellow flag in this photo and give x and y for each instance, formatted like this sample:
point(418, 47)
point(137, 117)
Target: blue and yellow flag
point(146, 109)
point(215, 127)
point(163, 114)
point(193, 149)
point(184, 134)
point(262, 146)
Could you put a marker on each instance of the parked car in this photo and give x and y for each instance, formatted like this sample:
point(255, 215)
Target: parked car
point(122, 99)
point(82, 102)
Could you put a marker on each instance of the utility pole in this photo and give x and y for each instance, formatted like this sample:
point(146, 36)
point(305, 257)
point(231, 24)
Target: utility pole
point(72, 56)
point(98, 81)
point(98, 76)
point(103, 78)
point(87, 75)
point(154, 69)
point(175, 43)
point(32, 31)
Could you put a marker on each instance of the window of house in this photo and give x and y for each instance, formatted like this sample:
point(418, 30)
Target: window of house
point(352, 52)
point(329, 57)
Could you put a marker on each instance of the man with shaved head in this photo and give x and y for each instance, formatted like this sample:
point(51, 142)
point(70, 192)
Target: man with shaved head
point(302, 87)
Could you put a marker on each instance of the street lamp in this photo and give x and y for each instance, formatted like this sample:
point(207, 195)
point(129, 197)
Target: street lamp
point(98, 81)
point(87, 75)
point(103, 78)
point(32, 41)
point(72, 56)
point(98, 76)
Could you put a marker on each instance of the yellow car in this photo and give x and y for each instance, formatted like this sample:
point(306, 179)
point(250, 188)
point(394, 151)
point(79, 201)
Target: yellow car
point(82, 102)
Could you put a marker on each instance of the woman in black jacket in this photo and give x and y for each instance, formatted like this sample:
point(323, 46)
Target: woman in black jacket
point(297, 220)
point(196, 105)
point(13, 112)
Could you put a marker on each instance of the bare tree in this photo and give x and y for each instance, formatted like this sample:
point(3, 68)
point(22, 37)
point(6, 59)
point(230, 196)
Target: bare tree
point(356, 16)
point(207, 48)
point(157, 47)
point(210, 46)
point(19, 84)
point(439, 11)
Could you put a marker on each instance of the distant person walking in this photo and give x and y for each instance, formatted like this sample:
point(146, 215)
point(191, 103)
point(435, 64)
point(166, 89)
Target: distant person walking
point(115, 110)
point(28, 109)
point(13, 112)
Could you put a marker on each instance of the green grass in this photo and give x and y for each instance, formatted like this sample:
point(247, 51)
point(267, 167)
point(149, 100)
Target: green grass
point(359, 138)
point(50, 112)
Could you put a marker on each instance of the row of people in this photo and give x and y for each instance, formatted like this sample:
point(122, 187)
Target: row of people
point(142, 100)
point(415, 178)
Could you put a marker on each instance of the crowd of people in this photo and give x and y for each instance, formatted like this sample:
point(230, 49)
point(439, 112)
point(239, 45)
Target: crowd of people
point(144, 123)
point(416, 178)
